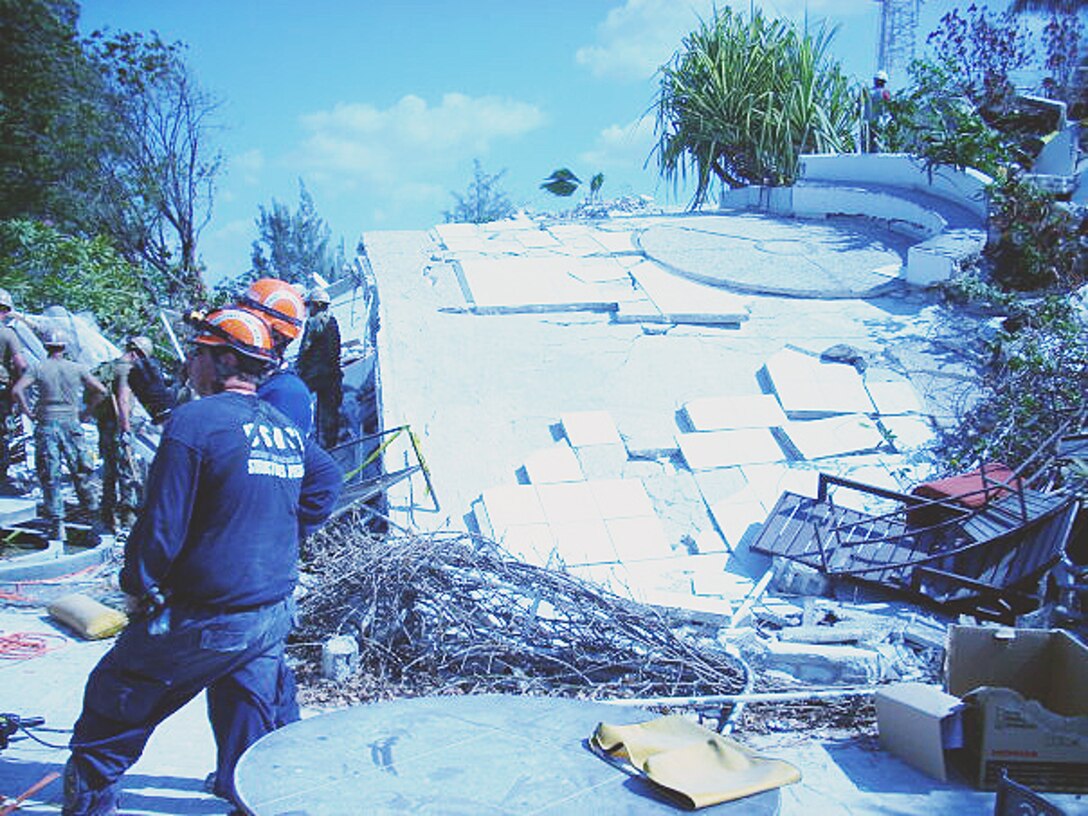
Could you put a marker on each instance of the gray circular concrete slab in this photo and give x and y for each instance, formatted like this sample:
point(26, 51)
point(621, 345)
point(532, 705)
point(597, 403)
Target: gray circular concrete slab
point(764, 254)
point(476, 754)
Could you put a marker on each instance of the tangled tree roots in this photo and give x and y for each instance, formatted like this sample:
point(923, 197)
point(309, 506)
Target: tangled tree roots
point(450, 613)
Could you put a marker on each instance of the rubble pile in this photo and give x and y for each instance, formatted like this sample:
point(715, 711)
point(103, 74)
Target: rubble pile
point(819, 643)
point(829, 643)
point(453, 614)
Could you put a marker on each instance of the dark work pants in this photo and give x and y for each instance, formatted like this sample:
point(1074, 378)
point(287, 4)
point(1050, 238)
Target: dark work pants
point(146, 677)
point(327, 414)
point(239, 716)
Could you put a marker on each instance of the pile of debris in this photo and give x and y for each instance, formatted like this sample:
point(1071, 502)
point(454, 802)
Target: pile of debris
point(453, 614)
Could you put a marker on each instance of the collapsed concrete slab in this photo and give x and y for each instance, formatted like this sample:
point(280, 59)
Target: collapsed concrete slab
point(809, 388)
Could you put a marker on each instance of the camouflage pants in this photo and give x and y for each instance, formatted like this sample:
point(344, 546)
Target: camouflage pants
point(6, 406)
point(121, 486)
point(59, 442)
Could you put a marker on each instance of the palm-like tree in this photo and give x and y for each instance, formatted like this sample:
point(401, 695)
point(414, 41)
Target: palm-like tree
point(741, 100)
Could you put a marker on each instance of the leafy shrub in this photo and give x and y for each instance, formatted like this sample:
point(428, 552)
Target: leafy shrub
point(983, 49)
point(42, 267)
point(931, 119)
point(742, 99)
point(1034, 382)
point(1041, 243)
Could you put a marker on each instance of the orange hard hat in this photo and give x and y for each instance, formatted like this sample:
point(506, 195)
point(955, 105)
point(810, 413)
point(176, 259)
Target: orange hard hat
point(276, 302)
point(237, 329)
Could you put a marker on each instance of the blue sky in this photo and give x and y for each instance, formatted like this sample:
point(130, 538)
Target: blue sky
point(380, 106)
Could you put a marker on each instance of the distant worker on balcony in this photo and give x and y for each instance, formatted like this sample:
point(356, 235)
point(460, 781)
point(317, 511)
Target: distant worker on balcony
point(319, 366)
point(876, 113)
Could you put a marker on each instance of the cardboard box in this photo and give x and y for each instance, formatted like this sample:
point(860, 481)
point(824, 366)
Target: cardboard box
point(1027, 707)
point(920, 724)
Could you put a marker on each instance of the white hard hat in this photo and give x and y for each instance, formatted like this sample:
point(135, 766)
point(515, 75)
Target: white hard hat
point(882, 75)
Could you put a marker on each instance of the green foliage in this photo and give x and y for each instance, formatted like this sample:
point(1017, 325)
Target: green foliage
point(595, 185)
point(1063, 37)
point(1035, 381)
point(482, 202)
point(561, 182)
point(1020, 6)
point(1041, 243)
point(741, 100)
point(933, 120)
point(42, 266)
point(292, 246)
point(106, 136)
point(50, 125)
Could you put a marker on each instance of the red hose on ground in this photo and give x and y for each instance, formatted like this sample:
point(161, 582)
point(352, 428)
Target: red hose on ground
point(22, 797)
point(27, 645)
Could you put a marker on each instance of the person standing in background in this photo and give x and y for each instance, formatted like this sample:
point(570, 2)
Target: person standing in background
point(876, 113)
point(121, 486)
point(319, 366)
point(281, 307)
point(58, 434)
point(145, 379)
point(12, 366)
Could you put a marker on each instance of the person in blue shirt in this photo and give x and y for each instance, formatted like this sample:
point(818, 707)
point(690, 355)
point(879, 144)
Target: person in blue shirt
point(210, 567)
point(280, 305)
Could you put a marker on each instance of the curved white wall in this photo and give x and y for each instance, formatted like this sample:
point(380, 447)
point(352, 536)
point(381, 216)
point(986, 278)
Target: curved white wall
point(967, 188)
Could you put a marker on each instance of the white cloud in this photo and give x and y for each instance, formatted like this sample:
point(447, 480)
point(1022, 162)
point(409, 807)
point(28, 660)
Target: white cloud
point(621, 147)
point(411, 138)
point(636, 38)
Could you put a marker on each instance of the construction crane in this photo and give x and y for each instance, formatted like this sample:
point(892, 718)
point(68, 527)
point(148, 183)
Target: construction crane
point(898, 27)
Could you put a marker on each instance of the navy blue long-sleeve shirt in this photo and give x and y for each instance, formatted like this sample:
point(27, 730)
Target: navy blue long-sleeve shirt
point(231, 486)
point(286, 391)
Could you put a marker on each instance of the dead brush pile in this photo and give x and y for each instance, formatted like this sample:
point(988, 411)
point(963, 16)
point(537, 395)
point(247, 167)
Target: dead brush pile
point(453, 614)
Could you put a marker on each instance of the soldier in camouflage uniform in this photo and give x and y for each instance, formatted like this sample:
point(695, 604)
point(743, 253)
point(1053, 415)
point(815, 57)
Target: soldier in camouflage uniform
point(12, 366)
point(58, 435)
point(121, 484)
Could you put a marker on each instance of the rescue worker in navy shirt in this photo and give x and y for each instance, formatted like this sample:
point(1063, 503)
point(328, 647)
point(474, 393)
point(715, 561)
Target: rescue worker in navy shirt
point(210, 565)
point(281, 307)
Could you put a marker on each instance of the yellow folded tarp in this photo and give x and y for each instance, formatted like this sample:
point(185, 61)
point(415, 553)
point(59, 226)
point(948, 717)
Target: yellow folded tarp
point(702, 768)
